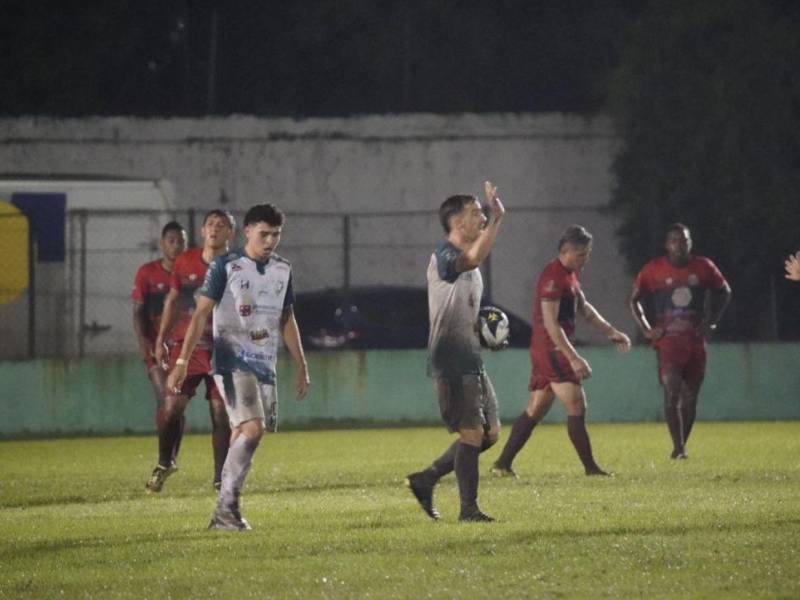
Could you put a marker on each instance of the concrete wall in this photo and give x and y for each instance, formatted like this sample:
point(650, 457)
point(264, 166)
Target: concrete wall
point(112, 395)
point(552, 170)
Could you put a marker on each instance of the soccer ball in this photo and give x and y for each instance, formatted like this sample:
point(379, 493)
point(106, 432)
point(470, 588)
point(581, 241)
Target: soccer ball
point(493, 327)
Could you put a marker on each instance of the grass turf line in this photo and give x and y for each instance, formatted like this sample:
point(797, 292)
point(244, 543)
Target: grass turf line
point(332, 520)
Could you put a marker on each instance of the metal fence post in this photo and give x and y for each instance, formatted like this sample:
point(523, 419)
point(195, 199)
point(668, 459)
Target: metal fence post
point(346, 249)
point(31, 291)
point(83, 218)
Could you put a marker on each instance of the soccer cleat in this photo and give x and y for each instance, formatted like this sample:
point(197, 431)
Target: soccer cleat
point(475, 516)
point(597, 471)
point(679, 455)
point(159, 476)
point(229, 520)
point(422, 489)
point(499, 470)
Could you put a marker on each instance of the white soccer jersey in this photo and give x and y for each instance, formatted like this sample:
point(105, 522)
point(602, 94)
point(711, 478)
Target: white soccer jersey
point(250, 299)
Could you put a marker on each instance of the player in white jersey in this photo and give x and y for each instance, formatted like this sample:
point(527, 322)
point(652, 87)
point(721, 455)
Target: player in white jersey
point(250, 293)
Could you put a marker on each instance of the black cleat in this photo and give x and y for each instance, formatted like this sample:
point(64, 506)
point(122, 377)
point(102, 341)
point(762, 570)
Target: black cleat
point(475, 516)
point(422, 489)
point(159, 476)
point(679, 455)
point(597, 471)
point(499, 470)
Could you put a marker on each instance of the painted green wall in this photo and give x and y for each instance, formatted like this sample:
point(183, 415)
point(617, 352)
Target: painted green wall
point(112, 395)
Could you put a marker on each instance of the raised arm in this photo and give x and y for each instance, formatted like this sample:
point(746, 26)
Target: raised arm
point(291, 337)
point(556, 333)
point(472, 258)
point(193, 332)
point(596, 320)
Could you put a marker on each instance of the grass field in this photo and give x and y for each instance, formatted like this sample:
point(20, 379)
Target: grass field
point(332, 520)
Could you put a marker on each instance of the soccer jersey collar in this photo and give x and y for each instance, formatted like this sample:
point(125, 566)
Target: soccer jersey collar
point(260, 266)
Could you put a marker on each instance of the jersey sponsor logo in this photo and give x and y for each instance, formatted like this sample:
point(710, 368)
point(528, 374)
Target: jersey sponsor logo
point(259, 336)
point(236, 268)
point(160, 285)
point(245, 310)
point(192, 276)
point(693, 279)
point(681, 297)
point(244, 285)
point(668, 281)
point(279, 287)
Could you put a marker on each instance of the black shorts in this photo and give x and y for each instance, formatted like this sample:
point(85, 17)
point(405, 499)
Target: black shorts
point(467, 401)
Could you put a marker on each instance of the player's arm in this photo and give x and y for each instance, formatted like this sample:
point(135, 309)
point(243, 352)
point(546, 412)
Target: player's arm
point(291, 337)
point(139, 327)
point(596, 320)
point(637, 311)
point(201, 313)
point(168, 316)
point(717, 303)
point(472, 258)
point(556, 332)
point(792, 266)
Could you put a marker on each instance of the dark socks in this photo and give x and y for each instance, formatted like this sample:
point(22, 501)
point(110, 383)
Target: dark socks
point(220, 439)
point(446, 462)
point(466, 468)
point(674, 423)
point(520, 432)
point(168, 436)
point(576, 428)
point(177, 446)
point(688, 412)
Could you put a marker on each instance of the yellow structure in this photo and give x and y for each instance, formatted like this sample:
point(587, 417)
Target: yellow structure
point(13, 252)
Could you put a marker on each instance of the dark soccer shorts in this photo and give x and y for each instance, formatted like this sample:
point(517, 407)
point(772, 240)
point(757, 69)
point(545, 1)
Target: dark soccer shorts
point(198, 370)
point(682, 357)
point(467, 401)
point(549, 366)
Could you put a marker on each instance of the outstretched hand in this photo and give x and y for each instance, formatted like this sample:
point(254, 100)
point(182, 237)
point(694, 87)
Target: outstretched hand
point(792, 266)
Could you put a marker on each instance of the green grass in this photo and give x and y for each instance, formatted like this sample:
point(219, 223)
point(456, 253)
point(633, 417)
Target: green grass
point(332, 520)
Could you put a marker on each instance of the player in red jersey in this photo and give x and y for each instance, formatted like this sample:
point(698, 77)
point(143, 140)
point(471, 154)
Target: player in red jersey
point(187, 277)
point(557, 368)
point(150, 287)
point(687, 295)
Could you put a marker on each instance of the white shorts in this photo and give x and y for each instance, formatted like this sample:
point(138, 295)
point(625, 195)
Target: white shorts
point(246, 398)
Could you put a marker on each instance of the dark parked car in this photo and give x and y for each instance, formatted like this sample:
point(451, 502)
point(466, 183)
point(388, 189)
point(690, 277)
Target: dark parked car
point(374, 317)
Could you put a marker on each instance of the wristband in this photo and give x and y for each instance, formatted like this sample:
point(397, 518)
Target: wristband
point(181, 361)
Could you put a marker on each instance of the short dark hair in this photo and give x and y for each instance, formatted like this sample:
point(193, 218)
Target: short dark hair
point(676, 227)
point(265, 213)
point(223, 214)
point(576, 236)
point(171, 226)
point(453, 206)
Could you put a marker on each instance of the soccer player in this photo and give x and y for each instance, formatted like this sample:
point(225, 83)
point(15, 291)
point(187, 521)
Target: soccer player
point(187, 277)
point(792, 266)
point(150, 286)
point(687, 295)
point(250, 294)
point(557, 368)
point(466, 397)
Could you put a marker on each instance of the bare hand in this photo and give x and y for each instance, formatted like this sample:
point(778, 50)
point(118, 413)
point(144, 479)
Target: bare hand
point(705, 329)
point(620, 340)
point(497, 208)
point(175, 378)
point(654, 334)
point(580, 367)
point(302, 383)
point(792, 266)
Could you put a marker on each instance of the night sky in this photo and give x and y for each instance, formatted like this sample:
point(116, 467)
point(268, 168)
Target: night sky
point(307, 57)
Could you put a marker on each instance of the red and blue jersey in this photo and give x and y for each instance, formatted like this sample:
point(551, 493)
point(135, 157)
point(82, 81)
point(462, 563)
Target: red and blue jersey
point(150, 287)
point(557, 283)
point(187, 277)
point(674, 297)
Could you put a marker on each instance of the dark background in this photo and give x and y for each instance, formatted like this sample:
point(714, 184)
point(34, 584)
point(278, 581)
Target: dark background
point(705, 95)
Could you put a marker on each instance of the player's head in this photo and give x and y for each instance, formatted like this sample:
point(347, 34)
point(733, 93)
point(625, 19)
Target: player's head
point(462, 213)
point(218, 227)
point(173, 240)
point(575, 247)
point(678, 243)
point(263, 225)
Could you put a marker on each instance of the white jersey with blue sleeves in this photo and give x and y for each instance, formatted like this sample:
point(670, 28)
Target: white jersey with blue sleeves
point(250, 299)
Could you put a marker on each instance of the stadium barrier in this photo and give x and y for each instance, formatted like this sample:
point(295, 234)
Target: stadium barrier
point(111, 395)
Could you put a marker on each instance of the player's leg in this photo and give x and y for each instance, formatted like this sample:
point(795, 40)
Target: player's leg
point(539, 402)
point(220, 428)
point(170, 431)
point(694, 374)
point(672, 384)
point(248, 422)
point(573, 398)
point(158, 381)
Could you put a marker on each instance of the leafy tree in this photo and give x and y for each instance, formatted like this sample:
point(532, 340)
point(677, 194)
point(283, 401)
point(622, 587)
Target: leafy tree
point(707, 99)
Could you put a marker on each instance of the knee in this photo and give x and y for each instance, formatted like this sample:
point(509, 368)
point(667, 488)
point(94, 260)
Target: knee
point(490, 439)
point(253, 429)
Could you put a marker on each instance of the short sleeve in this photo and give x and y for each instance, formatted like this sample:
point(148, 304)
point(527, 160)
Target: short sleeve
point(716, 280)
point(551, 285)
point(446, 257)
point(139, 285)
point(642, 280)
point(216, 277)
point(288, 299)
